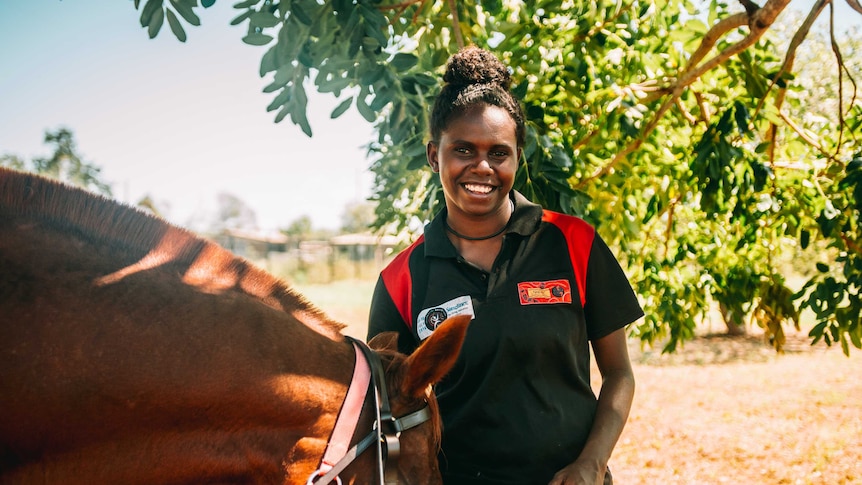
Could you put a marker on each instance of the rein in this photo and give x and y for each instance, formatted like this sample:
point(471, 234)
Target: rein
point(385, 432)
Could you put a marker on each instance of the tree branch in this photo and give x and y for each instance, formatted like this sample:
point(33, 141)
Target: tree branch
point(804, 136)
point(712, 36)
point(669, 229)
point(855, 5)
point(685, 113)
point(787, 66)
point(456, 24)
point(704, 108)
point(807, 139)
point(842, 68)
point(401, 8)
point(850, 244)
point(758, 23)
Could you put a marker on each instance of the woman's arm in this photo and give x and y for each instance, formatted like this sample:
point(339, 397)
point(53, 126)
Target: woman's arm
point(615, 401)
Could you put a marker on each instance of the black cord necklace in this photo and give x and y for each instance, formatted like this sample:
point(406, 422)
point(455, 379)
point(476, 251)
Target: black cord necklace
point(480, 238)
point(470, 238)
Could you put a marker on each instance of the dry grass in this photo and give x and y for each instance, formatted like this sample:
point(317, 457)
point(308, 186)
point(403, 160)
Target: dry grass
point(720, 410)
point(729, 410)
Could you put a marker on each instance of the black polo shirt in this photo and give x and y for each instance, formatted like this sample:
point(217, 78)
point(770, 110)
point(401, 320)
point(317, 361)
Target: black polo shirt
point(518, 406)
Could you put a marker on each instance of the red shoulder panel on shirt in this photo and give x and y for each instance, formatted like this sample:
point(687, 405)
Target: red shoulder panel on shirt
point(399, 282)
point(579, 238)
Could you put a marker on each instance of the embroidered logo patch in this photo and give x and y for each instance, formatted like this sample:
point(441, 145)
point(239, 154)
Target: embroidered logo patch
point(431, 318)
point(544, 292)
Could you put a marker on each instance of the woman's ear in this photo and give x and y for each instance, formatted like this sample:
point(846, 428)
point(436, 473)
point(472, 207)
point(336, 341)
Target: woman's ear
point(431, 154)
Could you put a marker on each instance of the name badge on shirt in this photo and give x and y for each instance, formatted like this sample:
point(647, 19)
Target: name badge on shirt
point(544, 292)
point(431, 318)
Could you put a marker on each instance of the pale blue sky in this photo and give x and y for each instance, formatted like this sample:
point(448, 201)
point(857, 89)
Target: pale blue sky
point(180, 122)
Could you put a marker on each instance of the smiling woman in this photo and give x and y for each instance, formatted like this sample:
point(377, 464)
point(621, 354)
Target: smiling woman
point(179, 122)
point(541, 288)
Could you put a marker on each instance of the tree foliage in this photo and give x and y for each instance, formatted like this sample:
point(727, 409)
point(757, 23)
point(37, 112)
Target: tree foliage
point(679, 128)
point(233, 213)
point(64, 164)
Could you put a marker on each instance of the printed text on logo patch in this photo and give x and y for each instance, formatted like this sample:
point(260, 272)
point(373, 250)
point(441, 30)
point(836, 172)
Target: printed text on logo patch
point(544, 292)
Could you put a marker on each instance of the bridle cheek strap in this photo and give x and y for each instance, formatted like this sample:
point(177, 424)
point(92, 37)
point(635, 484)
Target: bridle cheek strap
point(386, 432)
point(348, 417)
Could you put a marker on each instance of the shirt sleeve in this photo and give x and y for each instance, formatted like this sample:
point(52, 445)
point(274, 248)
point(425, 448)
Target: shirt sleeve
point(384, 317)
point(611, 302)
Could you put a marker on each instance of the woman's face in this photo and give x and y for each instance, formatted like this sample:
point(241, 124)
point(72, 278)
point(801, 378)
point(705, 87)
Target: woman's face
point(477, 157)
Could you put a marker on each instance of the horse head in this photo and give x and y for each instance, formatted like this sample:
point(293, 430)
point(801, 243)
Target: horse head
point(409, 380)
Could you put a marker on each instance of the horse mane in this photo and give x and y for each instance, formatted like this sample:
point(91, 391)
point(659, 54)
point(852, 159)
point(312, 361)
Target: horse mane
point(98, 219)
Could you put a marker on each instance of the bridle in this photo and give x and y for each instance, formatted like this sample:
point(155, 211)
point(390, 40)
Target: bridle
point(385, 432)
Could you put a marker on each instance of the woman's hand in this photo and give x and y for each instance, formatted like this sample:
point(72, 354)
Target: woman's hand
point(581, 472)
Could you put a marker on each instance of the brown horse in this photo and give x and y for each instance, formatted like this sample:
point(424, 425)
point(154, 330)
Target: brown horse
point(132, 351)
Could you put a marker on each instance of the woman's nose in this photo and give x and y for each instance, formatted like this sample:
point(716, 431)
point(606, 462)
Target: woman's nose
point(482, 165)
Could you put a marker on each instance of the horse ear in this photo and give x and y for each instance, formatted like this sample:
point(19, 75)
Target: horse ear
point(436, 356)
point(384, 341)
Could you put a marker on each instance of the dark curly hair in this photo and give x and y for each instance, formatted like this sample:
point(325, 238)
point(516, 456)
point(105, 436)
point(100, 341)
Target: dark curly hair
point(475, 76)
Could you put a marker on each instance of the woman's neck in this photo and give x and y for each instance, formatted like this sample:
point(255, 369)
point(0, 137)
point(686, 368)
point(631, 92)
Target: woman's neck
point(481, 244)
point(483, 228)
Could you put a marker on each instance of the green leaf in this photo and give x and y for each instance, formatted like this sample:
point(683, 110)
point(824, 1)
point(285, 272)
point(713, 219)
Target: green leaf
point(371, 73)
point(822, 267)
point(256, 38)
point(493, 7)
point(341, 108)
point(364, 110)
point(370, 44)
point(535, 112)
point(300, 13)
point(185, 10)
point(560, 157)
point(403, 61)
point(381, 98)
point(156, 22)
point(207, 3)
point(264, 19)
point(804, 239)
point(355, 43)
point(245, 4)
point(299, 118)
point(417, 162)
point(651, 210)
point(280, 99)
point(149, 9)
point(741, 114)
point(176, 27)
point(281, 114)
point(242, 17)
point(268, 61)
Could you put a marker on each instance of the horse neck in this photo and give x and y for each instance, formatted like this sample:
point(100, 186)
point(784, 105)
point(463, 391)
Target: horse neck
point(146, 242)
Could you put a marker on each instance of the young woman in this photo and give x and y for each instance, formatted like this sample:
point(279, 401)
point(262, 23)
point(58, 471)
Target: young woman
point(541, 288)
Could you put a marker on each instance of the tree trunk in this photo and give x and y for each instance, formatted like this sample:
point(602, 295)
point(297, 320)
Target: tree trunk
point(734, 328)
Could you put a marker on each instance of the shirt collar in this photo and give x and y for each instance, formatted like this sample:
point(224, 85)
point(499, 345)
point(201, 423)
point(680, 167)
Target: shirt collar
point(525, 221)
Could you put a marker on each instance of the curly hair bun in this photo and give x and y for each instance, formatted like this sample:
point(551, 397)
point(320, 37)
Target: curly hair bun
point(473, 65)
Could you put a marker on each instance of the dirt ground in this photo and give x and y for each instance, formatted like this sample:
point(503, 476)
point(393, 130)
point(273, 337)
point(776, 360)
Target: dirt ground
point(730, 410)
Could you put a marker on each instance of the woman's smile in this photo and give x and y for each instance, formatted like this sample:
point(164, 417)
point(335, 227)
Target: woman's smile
point(478, 188)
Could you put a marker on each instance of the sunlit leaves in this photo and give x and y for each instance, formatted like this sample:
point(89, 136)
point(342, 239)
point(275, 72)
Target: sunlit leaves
point(155, 11)
point(700, 198)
